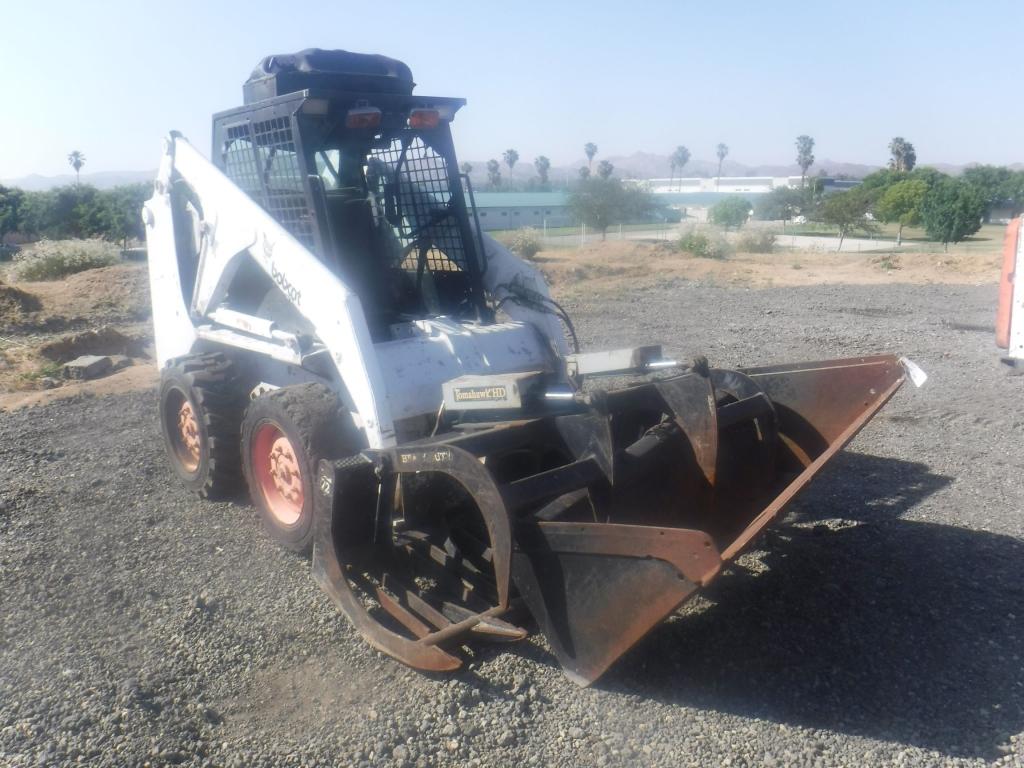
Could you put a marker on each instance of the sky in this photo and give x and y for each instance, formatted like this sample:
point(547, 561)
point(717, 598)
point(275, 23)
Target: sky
point(110, 78)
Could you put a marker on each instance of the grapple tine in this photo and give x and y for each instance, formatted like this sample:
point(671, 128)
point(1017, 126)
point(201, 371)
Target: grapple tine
point(344, 485)
point(490, 628)
point(403, 616)
point(327, 572)
point(477, 481)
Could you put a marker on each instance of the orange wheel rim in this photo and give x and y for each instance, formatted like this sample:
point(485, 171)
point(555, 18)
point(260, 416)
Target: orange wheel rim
point(188, 433)
point(276, 469)
point(183, 430)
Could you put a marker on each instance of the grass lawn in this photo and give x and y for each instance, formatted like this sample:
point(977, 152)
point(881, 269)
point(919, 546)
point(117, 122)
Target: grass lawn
point(988, 233)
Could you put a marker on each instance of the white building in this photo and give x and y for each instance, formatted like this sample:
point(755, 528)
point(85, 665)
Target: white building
point(738, 185)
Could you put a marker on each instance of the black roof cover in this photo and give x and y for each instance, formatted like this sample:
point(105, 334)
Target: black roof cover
point(330, 70)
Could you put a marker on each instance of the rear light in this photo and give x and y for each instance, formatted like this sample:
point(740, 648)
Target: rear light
point(424, 118)
point(362, 117)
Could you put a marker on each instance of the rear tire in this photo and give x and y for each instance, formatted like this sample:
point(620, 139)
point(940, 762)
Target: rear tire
point(285, 434)
point(200, 417)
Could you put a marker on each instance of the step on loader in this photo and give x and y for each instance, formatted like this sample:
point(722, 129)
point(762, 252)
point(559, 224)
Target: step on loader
point(404, 399)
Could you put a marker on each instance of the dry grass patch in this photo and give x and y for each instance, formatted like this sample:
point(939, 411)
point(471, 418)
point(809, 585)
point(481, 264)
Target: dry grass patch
point(625, 266)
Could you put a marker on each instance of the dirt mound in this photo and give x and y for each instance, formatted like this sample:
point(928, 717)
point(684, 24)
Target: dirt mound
point(46, 324)
point(108, 294)
point(102, 341)
point(16, 304)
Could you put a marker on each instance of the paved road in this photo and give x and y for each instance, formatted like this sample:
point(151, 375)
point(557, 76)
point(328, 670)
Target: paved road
point(828, 243)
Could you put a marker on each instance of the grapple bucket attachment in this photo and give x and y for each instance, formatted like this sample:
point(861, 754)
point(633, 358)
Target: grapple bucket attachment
point(598, 523)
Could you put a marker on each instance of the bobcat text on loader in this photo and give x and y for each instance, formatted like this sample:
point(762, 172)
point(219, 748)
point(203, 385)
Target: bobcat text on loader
point(403, 397)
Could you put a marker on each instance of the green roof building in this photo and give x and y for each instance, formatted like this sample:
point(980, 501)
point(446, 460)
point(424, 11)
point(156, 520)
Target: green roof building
point(512, 210)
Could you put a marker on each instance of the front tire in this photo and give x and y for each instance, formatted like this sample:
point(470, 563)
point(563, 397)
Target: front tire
point(285, 434)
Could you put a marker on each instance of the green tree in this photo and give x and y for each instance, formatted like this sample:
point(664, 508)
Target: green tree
point(600, 203)
point(76, 211)
point(11, 199)
point(543, 165)
point(731, 213)
point(121, 208)
point(32, 213)
point(638, 204)
point(590, 149)
point(511, 157)
point(882, 179)
point(466, 168)
point(76, 160)
point(494, 173)
point(847, 212)
point(64, 212)
point(997, 185)
point(929, 176)
point(782, 204)
point(901, 203)
point(951, 211)
point(605, 169)
point(722, 150)
point(804, 155)
point(584, 173)
point(1014, 190)
point(680, 157)
point(903, 158)
point(886, 177)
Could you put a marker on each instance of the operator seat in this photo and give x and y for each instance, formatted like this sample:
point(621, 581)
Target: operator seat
point(366, 260)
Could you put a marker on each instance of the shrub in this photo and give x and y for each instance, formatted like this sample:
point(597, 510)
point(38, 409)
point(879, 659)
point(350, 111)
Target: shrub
point(756, 241)
point(53, 259)
point(703, 243)
point(888, 262)
point(525, 242)
point(732, 212)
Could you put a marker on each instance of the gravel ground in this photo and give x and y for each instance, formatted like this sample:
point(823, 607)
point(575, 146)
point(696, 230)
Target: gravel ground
point(880, 625)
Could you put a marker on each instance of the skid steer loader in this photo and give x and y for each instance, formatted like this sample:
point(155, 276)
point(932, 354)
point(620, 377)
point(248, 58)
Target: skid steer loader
point(404, 398)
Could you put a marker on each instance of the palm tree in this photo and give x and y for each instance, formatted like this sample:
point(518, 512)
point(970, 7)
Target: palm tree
point(678, 160)
point(494, 173)
point(804, 155)
point(543, 165)
point(590, 149)
point(76, 160)
point(605, 169)
point(903, 155)
point(721, 150)
point(511, 157)
point(466, 168)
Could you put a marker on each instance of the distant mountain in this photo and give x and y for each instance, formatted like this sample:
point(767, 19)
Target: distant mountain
point(100, 180)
